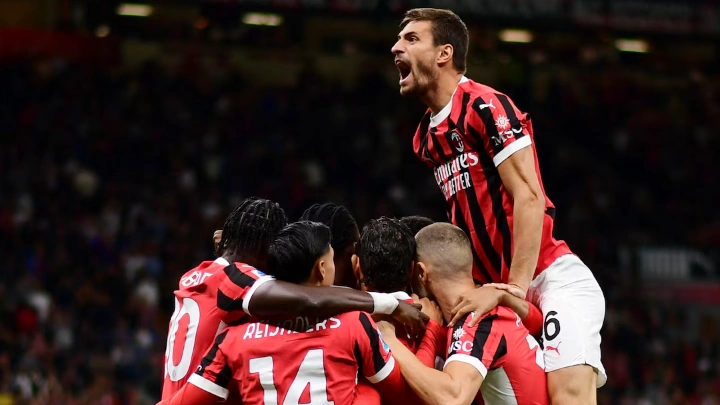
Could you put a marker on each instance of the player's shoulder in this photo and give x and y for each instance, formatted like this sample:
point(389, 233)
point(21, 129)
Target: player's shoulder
point(497, 316)
point(476, 89)
point(200, 275)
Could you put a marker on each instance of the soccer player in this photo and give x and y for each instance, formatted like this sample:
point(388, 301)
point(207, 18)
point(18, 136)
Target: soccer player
point(228, 289)
point(495, 360)
point(481, 148)
point(296, 360)
point(345, 236)
point(383, 263)
point(416, 222)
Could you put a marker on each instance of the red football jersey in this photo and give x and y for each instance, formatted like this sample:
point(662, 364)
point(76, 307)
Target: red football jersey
point(464, 144)
point(208, 297)
point(297, 360)
point(502, 350)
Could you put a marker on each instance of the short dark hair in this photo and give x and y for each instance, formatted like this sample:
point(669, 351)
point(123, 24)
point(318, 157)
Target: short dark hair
point(447, 28)
point(386, 252)
point(251, 228)
point(295, 250)
point(416, 223)
point(338, 218)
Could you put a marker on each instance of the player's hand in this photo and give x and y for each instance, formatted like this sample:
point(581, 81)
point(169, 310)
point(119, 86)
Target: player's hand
point(429, 308)
point(480, 301)
point(410, 316)
point(217, 237)
point(386, 328)
point(511, 288)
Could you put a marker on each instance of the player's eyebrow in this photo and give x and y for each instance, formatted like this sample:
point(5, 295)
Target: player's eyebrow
point(407, 34)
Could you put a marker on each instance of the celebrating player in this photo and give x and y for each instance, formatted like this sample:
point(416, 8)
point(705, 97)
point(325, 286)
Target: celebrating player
point(496, 360)
point(345, 236)
point(226, 290)
point(481, 147)
point(384, 260)
point(296, 360)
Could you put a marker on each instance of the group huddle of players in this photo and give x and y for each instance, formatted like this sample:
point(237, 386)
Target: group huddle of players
point(230, 339)
point(283, 336)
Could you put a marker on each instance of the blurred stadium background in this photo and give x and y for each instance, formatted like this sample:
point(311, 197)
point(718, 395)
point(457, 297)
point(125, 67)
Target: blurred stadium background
point(129, 131)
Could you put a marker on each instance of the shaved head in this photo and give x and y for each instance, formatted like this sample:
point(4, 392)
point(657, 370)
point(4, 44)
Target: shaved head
point(446, 250)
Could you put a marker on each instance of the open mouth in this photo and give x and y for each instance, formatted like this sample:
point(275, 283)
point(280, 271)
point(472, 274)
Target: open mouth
point(404, 69)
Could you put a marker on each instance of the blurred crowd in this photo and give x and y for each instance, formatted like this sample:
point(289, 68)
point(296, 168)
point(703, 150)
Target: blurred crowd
point(113, 181)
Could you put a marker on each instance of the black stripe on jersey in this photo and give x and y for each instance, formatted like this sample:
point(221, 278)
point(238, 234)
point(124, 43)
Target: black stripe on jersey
point(212, 353)
point(238, 278)
point(424, 129)
point(439, 149)
point(458, 127)
point(460, 222)
point(494, 185)
point(372, 334)
point(510, 111)
point(480, 226)
point(489, 121)
point(500, 352)
point(228, 304)
point(484, 327)
point(358, 358)
point(551, 212)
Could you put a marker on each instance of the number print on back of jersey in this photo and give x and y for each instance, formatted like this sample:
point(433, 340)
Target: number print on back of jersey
point(180, 370)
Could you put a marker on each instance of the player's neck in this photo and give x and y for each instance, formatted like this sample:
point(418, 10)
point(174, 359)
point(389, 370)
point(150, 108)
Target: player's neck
point(440, 95)
point(448, 294)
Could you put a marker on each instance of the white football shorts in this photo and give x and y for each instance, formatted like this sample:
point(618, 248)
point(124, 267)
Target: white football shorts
point(573, 308)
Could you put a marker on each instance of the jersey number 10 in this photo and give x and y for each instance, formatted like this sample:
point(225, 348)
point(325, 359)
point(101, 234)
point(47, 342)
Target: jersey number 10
point(311, 372)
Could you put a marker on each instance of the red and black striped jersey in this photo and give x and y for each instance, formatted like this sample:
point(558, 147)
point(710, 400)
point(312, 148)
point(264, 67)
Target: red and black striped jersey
point(299, 360)
point(503, 352)
point(208, 297)
point(464, 144)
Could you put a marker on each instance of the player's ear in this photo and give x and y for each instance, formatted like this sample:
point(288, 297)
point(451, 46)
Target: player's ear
point(421, 272)
point(357, 271)
point(318, 272)
point(446, 54)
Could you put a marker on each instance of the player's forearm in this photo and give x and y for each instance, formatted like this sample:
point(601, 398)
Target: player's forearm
point(432, 387)
point(530, 315)
point(519, 306)
point(280, 298)
point(429, 345)
point(528, 212)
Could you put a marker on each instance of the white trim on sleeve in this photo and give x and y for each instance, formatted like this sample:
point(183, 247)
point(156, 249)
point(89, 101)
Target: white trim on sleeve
point(209, 386)
point(384, 372)
point(521, 143)
point(467, 359)
point(260, 281)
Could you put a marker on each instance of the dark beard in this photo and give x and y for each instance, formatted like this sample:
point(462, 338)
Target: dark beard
point(424, 77)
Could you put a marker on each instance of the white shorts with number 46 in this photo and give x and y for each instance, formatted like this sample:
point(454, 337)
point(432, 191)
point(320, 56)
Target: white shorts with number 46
point(573, 308)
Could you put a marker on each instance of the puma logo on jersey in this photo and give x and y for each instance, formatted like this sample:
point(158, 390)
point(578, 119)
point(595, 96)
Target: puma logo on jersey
point(488, 105)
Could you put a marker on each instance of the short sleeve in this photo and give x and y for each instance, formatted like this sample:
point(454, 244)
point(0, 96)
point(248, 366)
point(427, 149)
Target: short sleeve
point(237, 288)
point(371, 352)
point(214, 373)
point(481, 346)
point(501, 127)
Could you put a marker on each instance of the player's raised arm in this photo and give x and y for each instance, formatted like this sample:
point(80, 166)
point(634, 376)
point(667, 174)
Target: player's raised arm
point(279, 298)
point(503, 131)
point(458, 384)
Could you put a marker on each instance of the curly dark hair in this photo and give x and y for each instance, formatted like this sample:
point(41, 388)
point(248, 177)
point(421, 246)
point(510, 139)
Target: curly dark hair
point(416, 223)
point(295, 250)
point(386, 252)
point(251, 227)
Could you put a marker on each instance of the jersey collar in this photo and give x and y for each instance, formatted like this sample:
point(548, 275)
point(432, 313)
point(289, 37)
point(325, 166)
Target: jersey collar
point(222, 261)
point(435, 120)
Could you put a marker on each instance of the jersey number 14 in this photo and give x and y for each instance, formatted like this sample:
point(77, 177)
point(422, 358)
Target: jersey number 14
point(311, 372)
